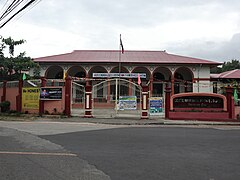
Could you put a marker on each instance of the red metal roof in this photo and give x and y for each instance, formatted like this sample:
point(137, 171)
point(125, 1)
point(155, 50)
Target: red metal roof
point(112, 56)
point(234, 74)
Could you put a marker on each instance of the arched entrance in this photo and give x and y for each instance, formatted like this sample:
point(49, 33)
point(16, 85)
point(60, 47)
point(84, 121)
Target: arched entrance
point(145, 70)
point(161, 76)
point(77, 71)
point(183, 78)
point(54, 72)
point(142, 70)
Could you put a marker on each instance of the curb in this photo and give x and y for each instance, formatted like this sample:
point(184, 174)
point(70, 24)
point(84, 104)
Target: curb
point(119, 121)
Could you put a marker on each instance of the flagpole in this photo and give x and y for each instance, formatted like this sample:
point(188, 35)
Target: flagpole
point(119, 63)
point(121, 51)
point(116, 104)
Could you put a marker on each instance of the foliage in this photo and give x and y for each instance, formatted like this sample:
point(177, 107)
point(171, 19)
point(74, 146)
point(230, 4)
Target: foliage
point(36, 71)
point(11, 67)
point(227, 66)
point(216, 70)
point(5, 106)
point(11, 44)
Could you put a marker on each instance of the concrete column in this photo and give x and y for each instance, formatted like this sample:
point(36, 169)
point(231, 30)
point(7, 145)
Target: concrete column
point(41, 102)
point(108, 91)
point(172, 81)
point(230, 103)
point(88, 102)
point(3, 98)
point(145, 96)
point(19, 97)
point(68, 88)
point(167, 101)
point(151, 85)
point(87, 80)
point(130, 87)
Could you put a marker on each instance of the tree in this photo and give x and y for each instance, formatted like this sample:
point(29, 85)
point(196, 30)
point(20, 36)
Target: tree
point(11, 67)
point(11, 43)
point(227, 66)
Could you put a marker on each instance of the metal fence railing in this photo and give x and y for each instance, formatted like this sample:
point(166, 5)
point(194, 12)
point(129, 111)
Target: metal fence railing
point(11, 84)
point(55, 82)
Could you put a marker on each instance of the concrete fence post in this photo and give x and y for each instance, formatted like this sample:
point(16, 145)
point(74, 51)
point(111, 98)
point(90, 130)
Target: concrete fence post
point(3, 98)
point(88, 101)
point(68, 87)
point(41, 102)
point(167, 101)
point(230, 103)
point(19, 96)
point(145, 97)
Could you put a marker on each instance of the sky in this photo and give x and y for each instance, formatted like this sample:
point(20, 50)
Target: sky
point(206, 29)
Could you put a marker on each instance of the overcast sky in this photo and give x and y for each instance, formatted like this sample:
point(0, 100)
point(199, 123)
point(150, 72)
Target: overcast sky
point(207, 29)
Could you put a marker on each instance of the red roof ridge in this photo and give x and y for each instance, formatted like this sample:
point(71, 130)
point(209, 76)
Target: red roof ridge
point(129, 56)
point(224, 74)
point(53, 55)
point(115, 50)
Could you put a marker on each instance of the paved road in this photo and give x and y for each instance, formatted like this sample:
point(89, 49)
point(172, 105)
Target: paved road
point(26, 157)
point(46, 128)
point(56, 150)
point(158, 152)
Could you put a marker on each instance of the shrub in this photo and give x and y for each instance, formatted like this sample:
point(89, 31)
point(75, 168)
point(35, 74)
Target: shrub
point(5, 106)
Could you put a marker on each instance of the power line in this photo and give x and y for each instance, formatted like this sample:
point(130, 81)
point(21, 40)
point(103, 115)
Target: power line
point(10, 8)
point(14, 8)
point(27, 10)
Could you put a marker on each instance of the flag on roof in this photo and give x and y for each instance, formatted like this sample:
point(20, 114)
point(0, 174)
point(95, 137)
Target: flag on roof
point(121, 44)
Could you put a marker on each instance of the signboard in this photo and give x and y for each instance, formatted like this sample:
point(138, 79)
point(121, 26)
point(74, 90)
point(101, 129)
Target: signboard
point(198, 102)
point(156, 106)
point(127, 103)
point(116, 75)
point(30, 98)
point(51, 93)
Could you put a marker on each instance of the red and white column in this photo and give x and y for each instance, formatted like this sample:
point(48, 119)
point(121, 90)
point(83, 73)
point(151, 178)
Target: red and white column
point(145, 96)
point(88, 102)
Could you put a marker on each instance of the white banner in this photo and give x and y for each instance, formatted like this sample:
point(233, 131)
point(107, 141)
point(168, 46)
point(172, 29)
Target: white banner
point(116, 75)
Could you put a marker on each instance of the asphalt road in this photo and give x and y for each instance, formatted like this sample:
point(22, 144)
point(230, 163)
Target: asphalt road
point(52, 150)
point(27, 157)
point(158, 152)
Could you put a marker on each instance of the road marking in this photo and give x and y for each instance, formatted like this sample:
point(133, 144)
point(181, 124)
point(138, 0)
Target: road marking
point(37, 153)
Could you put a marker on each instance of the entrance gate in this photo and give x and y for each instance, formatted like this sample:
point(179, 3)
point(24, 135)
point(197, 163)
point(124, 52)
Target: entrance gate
point(116, 98)
point(78, 98)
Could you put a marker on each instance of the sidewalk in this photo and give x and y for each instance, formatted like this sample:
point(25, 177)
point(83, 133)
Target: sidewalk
point(116, 121)
point(135, 121)
point(132, 121)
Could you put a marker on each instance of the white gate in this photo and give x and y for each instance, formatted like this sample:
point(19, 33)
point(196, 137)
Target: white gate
point(116, 98)
point(78, 99)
